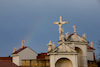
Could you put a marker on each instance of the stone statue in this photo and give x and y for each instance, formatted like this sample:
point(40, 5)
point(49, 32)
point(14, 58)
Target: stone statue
point(61, 30)
point(60, 23)
point(74, 28)
point(84, 36)
point(67, 35)
point(23, 41)
point(53, 46)
point(14, 49)
point(91, 44)
point(49, 46)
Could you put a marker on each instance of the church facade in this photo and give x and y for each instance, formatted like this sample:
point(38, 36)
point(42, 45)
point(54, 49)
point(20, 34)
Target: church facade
point(73, 51)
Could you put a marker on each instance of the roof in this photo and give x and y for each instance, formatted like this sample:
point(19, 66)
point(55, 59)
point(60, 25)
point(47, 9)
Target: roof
point(70, 35)
point(6, 63)
point(5, 58)
point(89, 47)
point(41, 56)
point(19, 50)
point(76, 38)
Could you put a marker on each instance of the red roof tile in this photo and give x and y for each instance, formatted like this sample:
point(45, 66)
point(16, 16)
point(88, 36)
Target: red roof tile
point(19, 50)
point(7, 64)
point(71, 35)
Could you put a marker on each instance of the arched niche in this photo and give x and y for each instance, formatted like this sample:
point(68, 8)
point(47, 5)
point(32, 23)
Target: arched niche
point(79, 51)
point(63, 62)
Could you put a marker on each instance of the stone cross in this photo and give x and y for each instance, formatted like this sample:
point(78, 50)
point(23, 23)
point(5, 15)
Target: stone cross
point(67, 35)
point(74, 28)
point(60, 23)
point(23, 41)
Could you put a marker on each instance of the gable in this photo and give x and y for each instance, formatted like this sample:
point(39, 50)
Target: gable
point(27, 51)
point(76, 38)
point(24, 50)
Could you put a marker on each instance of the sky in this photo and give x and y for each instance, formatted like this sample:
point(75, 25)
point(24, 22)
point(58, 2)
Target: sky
point(32, 21)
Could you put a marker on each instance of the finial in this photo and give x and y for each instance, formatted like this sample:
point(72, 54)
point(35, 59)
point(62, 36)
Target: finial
point(67, 35)
point(23, 41)
point(84, 36)
point(91, 44)
point(74, 28)
point(14, 49)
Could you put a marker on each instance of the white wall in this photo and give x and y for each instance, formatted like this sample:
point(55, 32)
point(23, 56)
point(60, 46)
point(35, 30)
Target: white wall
point(26, 54)
point(72, 58)
point(16, 60)
point(90, 56)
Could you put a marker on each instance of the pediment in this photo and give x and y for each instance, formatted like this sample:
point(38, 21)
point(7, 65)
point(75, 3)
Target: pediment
point(76, 38)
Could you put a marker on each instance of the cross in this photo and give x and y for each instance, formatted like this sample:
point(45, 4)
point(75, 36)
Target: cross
point(60, 23)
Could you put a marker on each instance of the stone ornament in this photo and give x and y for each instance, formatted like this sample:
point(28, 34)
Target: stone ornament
point(66, 35)
point(84, 36)
point(14, 49)
point(74, 28)
point(91, 44)
point(49, 46)
point(53, 46)
point(65, 48)
point(23, 41)
point(62, 37)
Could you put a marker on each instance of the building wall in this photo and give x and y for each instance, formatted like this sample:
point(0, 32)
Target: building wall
point(90, 56)
point(26, 54)
point(36, 62)
point(16, 60)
